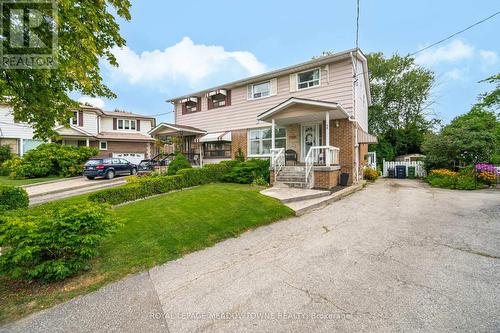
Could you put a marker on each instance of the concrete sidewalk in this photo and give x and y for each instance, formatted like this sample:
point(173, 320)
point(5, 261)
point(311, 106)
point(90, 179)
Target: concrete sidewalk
point(396, 256)
point(54, 190)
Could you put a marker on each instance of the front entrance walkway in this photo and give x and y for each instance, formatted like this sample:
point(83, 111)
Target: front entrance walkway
point(397, 256)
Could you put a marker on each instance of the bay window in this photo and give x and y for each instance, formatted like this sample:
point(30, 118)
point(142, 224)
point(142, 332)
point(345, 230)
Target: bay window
point(260, 140)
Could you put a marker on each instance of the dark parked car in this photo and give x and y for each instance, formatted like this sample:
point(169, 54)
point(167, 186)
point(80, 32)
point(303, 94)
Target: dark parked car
point(146, 166)
point(108, 168)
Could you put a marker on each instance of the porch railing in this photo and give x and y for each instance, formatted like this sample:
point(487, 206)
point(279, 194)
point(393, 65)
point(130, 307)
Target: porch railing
point(323, 155)
point(277, 160)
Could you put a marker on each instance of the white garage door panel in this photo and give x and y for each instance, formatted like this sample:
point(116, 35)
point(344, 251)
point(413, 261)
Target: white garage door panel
point(134, 158)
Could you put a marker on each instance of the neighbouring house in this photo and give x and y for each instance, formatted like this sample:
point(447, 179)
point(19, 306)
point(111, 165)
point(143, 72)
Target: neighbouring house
point(114, 133)
point(19, 136)
point(410, 158)
point(310, 120)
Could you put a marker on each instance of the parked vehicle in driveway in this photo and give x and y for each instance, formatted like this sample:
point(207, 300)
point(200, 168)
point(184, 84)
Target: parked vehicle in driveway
point(108, 168)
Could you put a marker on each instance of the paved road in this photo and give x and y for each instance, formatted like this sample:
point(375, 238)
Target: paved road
point(397, 256)
point(54, 190)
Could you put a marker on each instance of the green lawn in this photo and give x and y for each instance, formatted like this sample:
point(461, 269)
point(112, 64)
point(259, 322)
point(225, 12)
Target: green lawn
point(4, 180)
point(154, 231)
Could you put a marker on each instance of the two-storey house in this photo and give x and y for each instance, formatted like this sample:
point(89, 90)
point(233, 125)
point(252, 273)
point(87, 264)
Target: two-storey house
point(313, 116)
point(114, 133)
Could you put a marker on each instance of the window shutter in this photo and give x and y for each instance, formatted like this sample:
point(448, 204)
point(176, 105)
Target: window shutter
point(210, 103)
point(80, 118)
point(198, 104)
point(138, 125)
point(184, 110)
point(228, 98)
point(249, 92)
point(293, 82)
point(114, 124)
point(274, 86)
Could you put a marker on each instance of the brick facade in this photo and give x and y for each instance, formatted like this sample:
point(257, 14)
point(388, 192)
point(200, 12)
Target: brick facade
point(124, 147)
point(238, 140)
point(343, 137)
point(326, 179)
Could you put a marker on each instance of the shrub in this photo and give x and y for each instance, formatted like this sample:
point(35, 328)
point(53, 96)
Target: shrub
point(5, 153)
point(12, 198)
point(370, 174)
point(51, 159)
point(53, 242)
point(444, 178)
point(145, 186)
point(179, 162)
point(239, 156)
point(246, 172)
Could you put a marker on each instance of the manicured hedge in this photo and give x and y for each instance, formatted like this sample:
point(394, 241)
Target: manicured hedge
point(178, 163)
point(53, 242)
point(143, 187)
point(12, 197)
point(248, 172)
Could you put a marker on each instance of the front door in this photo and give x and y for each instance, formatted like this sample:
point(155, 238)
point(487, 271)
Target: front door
point(310, 136)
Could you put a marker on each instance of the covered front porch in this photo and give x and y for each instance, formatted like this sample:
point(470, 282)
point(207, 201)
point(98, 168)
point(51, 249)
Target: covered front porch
point(316, 131)
point(197, 145)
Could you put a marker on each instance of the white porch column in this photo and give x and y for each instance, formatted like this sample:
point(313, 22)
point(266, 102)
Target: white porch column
point(273, 128)
point(87, 142)
point(327, 137)
point(201, 154)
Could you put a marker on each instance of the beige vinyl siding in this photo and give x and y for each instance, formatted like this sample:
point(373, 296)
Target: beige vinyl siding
point(90, 122)
point(242, 113)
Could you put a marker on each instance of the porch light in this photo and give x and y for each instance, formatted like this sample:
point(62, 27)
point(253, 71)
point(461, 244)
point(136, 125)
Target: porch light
point(336, 123)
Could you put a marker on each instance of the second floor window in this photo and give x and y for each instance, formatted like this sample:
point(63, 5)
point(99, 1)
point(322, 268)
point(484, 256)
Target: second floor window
point(126, 124)
point(308, 79)
point(218, 98)
point(262, 89)
point(74, 120)
point(190, 104)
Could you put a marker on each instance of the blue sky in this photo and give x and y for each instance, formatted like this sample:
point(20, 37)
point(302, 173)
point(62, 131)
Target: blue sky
point(174, 47)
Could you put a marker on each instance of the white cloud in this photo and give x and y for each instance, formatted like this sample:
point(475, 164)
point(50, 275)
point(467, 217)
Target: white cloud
point(455, 74)
point(94, 101)
point(182, 61)
point(454, 51)
point(488, 58)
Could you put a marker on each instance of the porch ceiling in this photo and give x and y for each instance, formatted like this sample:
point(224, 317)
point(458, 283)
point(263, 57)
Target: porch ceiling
point(297, 110)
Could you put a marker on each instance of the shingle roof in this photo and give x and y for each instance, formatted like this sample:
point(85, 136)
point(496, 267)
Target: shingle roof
point(126, 136)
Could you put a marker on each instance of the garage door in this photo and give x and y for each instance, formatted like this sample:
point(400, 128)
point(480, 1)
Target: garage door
point(135, 158)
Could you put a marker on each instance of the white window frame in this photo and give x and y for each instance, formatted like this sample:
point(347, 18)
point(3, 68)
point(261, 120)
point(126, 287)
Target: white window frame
point(309, 87)
point(126, 123)
point(256, 84)
point(261, 140)
point(100, 145)
point(74, 120)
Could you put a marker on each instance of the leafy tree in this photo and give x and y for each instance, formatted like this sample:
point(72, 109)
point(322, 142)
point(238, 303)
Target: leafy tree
point(87, 31)
point(399, 114)
point(470, 138)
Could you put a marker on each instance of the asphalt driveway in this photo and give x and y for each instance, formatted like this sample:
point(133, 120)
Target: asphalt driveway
point(397, 256)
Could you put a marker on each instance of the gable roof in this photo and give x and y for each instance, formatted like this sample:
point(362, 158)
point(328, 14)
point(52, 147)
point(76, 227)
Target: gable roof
point(177, 128)
point(320, 61)
point(71, 130)
point(302, 101)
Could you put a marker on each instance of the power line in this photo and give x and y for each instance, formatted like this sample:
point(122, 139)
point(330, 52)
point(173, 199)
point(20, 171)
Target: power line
point(456, 33)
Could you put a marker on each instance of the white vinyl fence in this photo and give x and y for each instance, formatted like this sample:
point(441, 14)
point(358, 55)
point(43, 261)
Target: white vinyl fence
point(419, 167)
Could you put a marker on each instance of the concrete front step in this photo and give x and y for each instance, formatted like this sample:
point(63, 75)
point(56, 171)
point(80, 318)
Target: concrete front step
point(305, 206)
point(303, 200)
